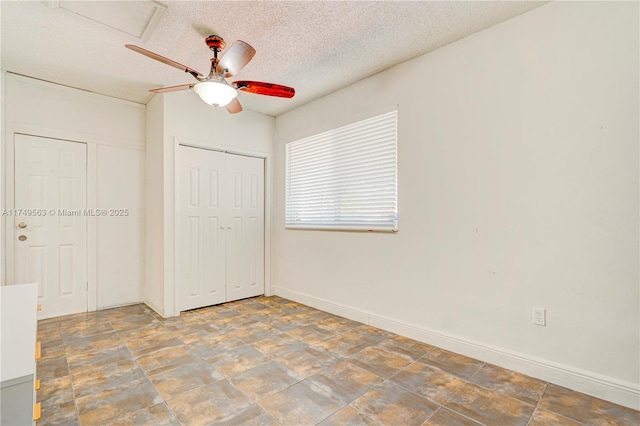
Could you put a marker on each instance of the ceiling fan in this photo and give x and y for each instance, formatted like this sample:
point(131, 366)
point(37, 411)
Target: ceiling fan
point(213, 88)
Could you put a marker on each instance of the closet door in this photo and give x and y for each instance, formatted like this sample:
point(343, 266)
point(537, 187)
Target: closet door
point(245, 227)
point(200, 242)
point(220, 235)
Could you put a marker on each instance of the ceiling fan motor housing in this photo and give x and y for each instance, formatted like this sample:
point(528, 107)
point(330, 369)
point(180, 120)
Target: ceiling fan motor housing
point(215, 43)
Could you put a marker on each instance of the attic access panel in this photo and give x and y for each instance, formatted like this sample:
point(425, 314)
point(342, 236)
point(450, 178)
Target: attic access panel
point(134, 18)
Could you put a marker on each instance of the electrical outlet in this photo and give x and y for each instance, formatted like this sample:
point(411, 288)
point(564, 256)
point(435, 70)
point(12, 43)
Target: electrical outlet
point(540, 316)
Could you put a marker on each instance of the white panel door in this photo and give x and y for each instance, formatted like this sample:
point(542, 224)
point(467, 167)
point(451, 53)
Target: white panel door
point(245, 227)
point(51, 236)
point(220, 237)
point(201, 235)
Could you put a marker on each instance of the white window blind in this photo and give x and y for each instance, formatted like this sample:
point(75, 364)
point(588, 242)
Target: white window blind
point(346, 178)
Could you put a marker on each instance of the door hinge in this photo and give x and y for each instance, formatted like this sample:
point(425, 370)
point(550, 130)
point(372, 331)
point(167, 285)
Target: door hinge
point(87, 285)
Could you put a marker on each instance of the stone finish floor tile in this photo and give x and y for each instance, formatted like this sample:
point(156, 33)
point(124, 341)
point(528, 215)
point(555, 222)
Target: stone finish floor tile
point(105, 377)
point(90, 360)
point(50, 336)
point(165, 359)
point(51, 352)
point(407, 347)
point(452, 363)
point(209, 403)
point(349, 416)
point(146, 345)
point(444, 417)
point(373, 333)
point(264, 379)
point(428, 382)
point(390, 404)
point(42, 324)
point(249, 307)
point(214, 346)
point(586, 409)
point(143, 332)
point(337, 323)
point(55, 391)
point(346, 381)
point(52, 368)
point(92, 343)
point(240, 322)
point(85, 329)
point(311, 334)
point(263, 360)
point(304, 403)
point(254, 334)
point(345, 344)
point(489, 407)
point(79, 318)
point(196, 333)
point(278, 345)
point(237, 360)
point(171, 383)
point(156, 415)
point(507, 382)
point(547, 418)
point(308, 361)
point(59, 414)
point(379, 361)
point(253, 415)
point(285, 323)
point(134, 322)
point(101, 407)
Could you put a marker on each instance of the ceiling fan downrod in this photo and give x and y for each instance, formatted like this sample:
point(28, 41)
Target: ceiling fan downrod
point(215, 44)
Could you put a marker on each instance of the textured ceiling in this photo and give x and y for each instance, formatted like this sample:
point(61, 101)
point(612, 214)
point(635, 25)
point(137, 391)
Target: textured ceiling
point(317, 47)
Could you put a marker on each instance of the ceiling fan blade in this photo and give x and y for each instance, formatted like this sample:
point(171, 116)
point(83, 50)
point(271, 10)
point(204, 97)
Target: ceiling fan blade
point(235, 58)
point(172, 88)
point(162, 59)
point(261, 88)
point(234, 106)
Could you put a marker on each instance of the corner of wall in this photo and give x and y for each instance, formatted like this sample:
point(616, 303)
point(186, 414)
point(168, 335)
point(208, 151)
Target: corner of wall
point(153, 292)
point(2, 177)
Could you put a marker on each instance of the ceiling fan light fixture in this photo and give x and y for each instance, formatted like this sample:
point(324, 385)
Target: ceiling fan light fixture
point(215, 92)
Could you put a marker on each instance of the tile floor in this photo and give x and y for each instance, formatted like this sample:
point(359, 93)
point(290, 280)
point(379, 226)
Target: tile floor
point(267, 360)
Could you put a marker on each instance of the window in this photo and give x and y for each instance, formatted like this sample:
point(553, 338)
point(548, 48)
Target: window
point(346, 178)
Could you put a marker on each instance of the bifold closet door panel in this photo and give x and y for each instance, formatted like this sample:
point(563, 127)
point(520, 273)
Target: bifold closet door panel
point(201, 235)
point(245, 227)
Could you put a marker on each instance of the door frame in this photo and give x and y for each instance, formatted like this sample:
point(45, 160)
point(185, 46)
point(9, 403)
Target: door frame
point(9, 202)
point(178, 142)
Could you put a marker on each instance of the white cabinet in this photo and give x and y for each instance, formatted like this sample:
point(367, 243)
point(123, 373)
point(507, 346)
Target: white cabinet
point(220, 228)
point(18, 332)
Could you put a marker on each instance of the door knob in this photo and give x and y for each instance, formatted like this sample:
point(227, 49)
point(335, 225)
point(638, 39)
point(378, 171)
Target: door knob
point(22, 237)
point(22, 225)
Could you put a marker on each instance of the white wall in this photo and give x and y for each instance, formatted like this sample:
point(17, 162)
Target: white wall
point(154, 206)
point(186, 119)
point(3, 90)
point(114, 131)
point(518, 188)
point(120, 253)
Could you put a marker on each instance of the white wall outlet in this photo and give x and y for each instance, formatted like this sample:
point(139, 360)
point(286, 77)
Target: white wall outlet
point(540, 316)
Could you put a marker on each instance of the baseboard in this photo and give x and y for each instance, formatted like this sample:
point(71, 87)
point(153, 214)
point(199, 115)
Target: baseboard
point(154, 308)
point(613, 390)
point(118, 305)
point(322, 304)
